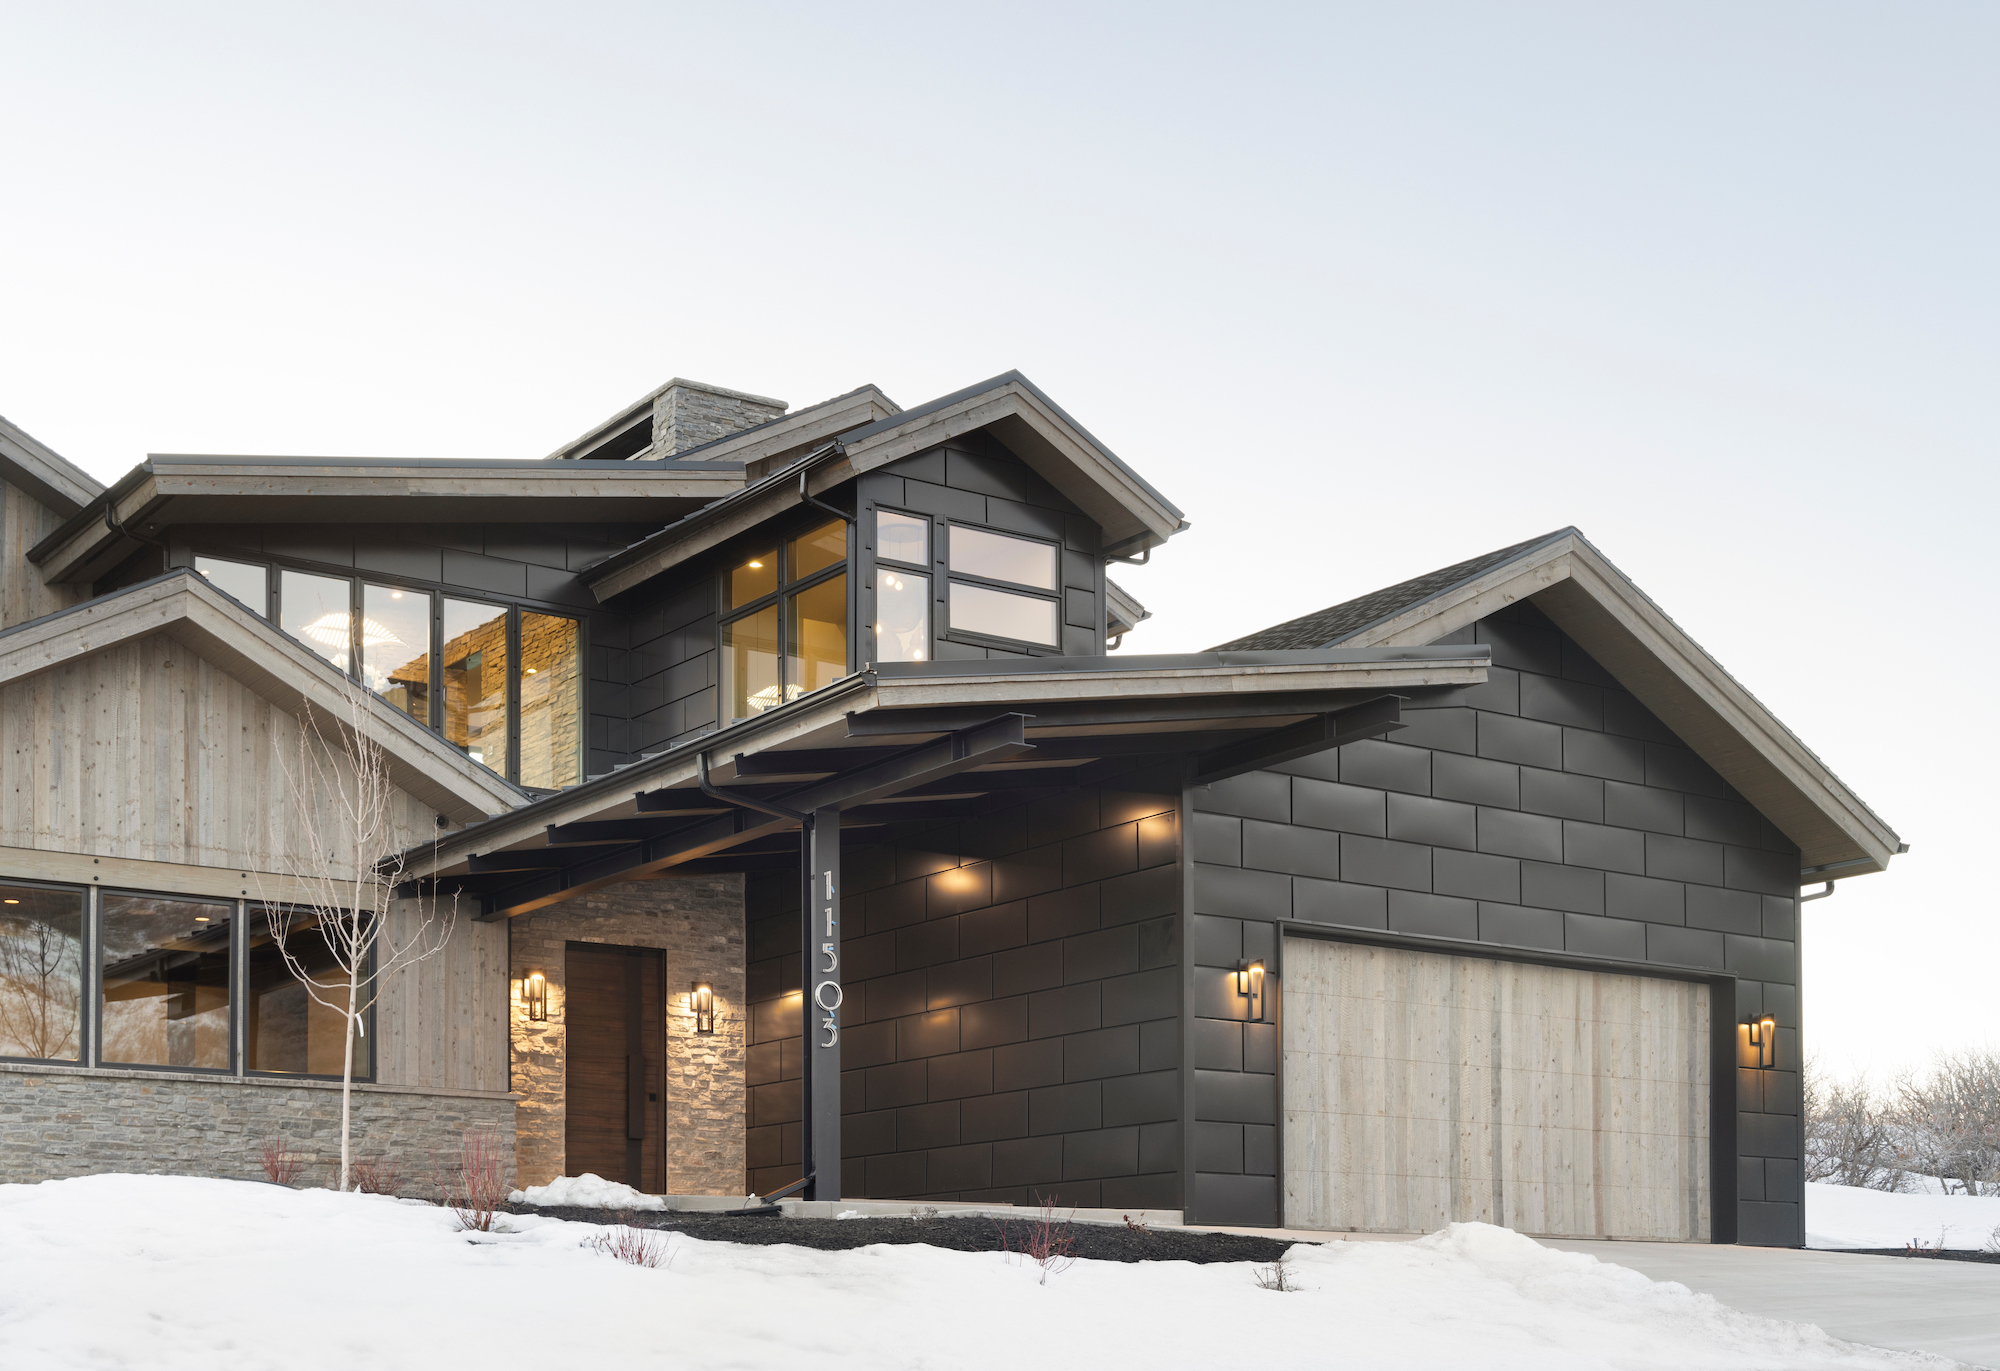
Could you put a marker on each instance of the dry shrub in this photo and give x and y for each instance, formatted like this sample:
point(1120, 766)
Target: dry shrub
point(1276, 1275)
point(1138, 1225)
point(645, 1247)
point(281, 1164)
point(474, 1186)
point(1045, 1240)
point(373, 1176)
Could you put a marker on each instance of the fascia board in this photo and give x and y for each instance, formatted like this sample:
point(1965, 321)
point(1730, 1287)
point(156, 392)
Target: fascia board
point(29, 463)
point(208, 623)
point(1122, 611)
point(1043, 437)
point(87, 546)
point(1668, 672)
point(530, 480)
point(1025, 688)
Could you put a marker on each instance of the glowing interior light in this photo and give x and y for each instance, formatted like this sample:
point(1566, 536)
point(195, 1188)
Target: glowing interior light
point(531, 671)
point(331, 630)
point(757, 564)
point(10, 902)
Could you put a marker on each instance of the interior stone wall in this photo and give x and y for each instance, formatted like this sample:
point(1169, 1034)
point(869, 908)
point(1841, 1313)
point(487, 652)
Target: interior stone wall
point(698, 922)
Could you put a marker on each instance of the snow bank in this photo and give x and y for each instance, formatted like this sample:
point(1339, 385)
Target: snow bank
point(1845, 1216)
point(588, 1191)
point(176, 1274)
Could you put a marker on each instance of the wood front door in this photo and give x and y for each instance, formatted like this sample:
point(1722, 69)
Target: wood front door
point(614, 1074)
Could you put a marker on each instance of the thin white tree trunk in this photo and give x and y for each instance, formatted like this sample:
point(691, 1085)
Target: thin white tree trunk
point(347, 1077)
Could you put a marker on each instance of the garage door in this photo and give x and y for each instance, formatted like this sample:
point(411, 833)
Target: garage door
point(1422, 1088)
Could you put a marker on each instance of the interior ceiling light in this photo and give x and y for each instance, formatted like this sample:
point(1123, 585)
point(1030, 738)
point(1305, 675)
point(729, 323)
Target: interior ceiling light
point(331, 631)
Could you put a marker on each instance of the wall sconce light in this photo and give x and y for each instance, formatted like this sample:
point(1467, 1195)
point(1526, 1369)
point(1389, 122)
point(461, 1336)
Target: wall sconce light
point(1764, 1038)
point(1250, 986)
point(702, 1001)
point(535, 996)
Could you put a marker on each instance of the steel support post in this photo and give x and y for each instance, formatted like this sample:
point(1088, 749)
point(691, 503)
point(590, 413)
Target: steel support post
point(819, 850)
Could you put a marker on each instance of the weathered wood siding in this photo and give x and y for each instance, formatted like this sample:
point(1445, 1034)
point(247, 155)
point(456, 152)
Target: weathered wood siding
point(1424, 1089)
point(25, 521)
point(145, 750)
point(442, 1023)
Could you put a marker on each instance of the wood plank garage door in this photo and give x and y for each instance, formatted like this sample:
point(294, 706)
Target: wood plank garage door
point(1422, 1088)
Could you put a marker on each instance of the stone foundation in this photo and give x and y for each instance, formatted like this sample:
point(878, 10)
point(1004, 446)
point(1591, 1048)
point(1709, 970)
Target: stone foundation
point(70, 1121)
point(698, 922)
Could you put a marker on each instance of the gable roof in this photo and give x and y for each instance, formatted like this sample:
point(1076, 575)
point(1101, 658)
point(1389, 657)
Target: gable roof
point(1061, 451)
point(1608, 616)
point(187, 607)
point(35, 467)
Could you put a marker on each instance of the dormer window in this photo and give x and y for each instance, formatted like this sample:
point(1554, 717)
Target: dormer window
point(784, 632)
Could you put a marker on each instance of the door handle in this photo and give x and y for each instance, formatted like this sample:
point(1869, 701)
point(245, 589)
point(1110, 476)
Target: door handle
point(635, 1095)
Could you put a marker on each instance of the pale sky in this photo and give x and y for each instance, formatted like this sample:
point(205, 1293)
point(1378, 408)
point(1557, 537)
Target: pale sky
point(1365, 289)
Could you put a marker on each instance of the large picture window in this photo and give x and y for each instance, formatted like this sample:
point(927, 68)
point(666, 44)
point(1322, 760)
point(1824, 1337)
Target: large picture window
point(286, 1028)
point(503, 684)
point(784, 631)
point(166, 982)
point(41, 973)
point(134, 979)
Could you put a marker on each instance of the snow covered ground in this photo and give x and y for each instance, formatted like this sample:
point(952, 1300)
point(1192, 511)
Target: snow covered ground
point(588, 1191)
point(177, 1274)
point(1844, 1216)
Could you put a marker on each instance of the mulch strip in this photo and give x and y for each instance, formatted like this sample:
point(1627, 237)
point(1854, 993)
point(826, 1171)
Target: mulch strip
point(1099, 1242)
point(1950, 1254)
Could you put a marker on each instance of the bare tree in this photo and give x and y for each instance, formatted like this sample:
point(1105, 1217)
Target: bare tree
point(347, 857)
point(1950, 1119)
point(1851, 1138)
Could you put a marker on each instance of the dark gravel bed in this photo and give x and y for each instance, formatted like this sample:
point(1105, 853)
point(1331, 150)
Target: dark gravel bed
point(1100, 1242)
point(1948, 1254)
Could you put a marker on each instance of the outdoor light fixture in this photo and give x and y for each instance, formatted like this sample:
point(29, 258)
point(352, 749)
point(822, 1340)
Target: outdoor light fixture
point(702, 1001)
point(1764, 1037)
point(535, 995)
point(1250, 985)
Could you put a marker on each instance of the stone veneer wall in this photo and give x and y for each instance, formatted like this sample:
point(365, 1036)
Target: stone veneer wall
point(687, 414)
point(69, 1121)
point(698, 921)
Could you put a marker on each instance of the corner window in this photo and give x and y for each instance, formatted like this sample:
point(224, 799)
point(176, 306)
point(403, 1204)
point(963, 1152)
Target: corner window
point(785, 628)
point(503, 685)
point(990, 573)
point(41, 973)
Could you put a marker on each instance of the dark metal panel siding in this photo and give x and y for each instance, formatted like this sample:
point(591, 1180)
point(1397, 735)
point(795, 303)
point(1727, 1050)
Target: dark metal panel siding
point(1011, 1027)
point(1563, 818)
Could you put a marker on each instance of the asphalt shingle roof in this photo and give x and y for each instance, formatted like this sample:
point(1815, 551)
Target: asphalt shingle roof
point(1337, 623)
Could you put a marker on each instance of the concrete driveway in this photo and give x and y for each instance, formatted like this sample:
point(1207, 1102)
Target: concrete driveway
point(1917, 1305)
point(1909, 1304)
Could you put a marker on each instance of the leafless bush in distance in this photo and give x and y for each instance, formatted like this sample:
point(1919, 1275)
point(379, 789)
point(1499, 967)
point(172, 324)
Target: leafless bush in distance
point(1850, 1135)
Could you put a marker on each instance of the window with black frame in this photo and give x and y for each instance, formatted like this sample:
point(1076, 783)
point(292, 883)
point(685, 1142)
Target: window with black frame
point(784, 632)
point(290, 1027)
point(41, 973)
point(1005, 586)
point(166, 981)
point(502, 684)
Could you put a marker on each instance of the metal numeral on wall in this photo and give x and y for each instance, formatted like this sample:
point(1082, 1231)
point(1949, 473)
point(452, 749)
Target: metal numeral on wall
point(832, 959)
point(819, 998)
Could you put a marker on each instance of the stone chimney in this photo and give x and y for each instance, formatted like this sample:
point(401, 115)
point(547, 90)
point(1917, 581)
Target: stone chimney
point(687, 414)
